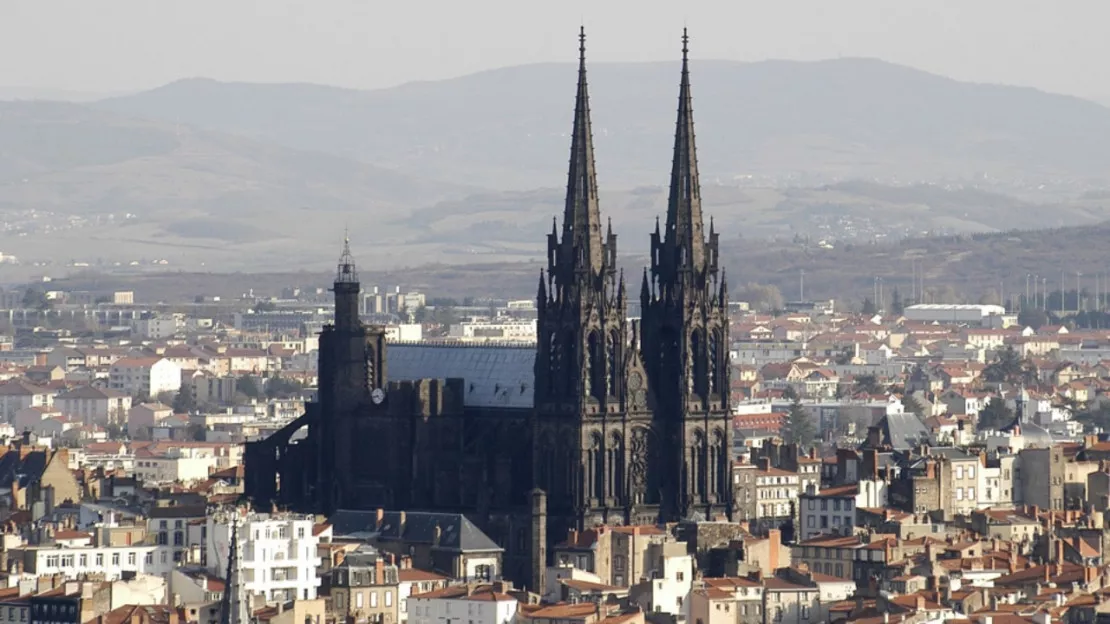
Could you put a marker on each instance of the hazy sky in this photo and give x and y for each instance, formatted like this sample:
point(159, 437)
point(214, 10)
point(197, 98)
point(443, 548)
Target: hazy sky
point(116, 45)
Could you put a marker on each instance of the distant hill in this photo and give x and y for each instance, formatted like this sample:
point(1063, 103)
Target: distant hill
point(956, 268)
point(506, 128)
point(98, 184)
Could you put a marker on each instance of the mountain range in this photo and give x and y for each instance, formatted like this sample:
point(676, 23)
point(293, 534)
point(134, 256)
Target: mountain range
point(265, 176)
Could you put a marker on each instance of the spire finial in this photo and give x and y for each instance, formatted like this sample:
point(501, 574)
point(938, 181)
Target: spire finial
point(582, 45)
point(685, 45)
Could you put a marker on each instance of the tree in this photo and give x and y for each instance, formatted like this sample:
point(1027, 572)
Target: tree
point(759, 296)
point(282, 388)
point(913, 406)
point(790, 393)
point(35, 299)
point(185, 402)
point(799, 425)
point(868, 384)
point(994, 415)
point(897, 305)
point(1009, 367)
point(264, 306)
point(1033, 317)
point(248, 387)
point(869, 306)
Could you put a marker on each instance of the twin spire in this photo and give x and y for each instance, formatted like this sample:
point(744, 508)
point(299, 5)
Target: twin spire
point(582, 251)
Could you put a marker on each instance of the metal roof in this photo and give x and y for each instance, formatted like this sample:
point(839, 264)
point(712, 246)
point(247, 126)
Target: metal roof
point(494, 376)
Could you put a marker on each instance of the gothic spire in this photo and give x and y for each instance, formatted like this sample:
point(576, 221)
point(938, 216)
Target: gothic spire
point(684, 222)
point(582, 242)
point(345, 272)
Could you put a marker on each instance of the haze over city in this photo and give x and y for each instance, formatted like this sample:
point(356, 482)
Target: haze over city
point(346, 312)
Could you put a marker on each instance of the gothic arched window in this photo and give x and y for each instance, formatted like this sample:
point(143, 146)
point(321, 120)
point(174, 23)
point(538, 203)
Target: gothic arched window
point(596, 379)
point(698, 452)
point(697, 352)
point(571, 363)
point(612, 355)
point(596, 466)
point(715, 362)
point(615, 466)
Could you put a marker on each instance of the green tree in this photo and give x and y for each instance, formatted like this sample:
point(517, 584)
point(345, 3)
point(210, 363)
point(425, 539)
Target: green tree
point(799, 425)
point(868, 306)
point(282, 388)
point(1009, 367)
point(913, 406)
point(869, 384)
point(790, 393)
point(264, 306)
point(248, 387)
point(995, 415)
point(897, 306)
point(185, 402)
point(35, 299)
point(1033, 317)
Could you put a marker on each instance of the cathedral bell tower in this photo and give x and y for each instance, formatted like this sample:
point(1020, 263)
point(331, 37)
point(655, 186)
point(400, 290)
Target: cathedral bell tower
point(685, 336)
point(580, 368)
point(352, 375)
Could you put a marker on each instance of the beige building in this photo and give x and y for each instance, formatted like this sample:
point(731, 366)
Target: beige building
point(94, 406)
point(365, 587)
point(764, 496)
point(619, 556)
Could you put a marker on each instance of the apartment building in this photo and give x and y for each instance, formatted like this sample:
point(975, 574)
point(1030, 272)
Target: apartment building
point(278, 554)
point(144, 376)
point(94, 406)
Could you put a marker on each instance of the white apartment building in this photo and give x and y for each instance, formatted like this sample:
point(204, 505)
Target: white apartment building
point(457, 604)
point(277, 554)
point(494, 330)
point(111, 561)
point(670, 592)
point(175, 464)
point(90, 405)
point(160, 327)
point(146, 377)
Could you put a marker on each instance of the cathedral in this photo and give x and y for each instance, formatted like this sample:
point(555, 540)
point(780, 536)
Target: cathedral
point(606, 419)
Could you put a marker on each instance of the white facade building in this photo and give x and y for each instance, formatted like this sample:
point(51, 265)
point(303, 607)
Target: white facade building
point(457, 604)
point(144, 376)
point(494, 330)
point(111, 561)
point(277, 554)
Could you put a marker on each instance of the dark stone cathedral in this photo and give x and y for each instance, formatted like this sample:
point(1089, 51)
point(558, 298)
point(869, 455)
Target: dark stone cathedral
point(605, 420)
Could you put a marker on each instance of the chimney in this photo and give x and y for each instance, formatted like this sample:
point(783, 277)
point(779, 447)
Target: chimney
point(136, 618)
point(764, 463)
point(920, 603)
point(401, 524)
point(379, 570)
point(1059, 552)
point(930, 469)
point(774, 544)
point(813, 452)
point(572, 537)
point(930, 551)
point(381, 518)
point(436, 535)
point(173, 615)
point(872, 458)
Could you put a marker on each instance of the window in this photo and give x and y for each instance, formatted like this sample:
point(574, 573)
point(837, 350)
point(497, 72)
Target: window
point(115, 559)
point(373, 600)
point(67, 561)
point(178, 538)
point(300, 533)
point(960, 472)
point(52, 561)
point(680, 576)
point(163, 524)
point(971, 493)
point(388, 598)
point(805, 612)
point(358, 600)
point(99, 559)
point(84, 561)
point(149, 558)
point(971, 472)
point(131, 559)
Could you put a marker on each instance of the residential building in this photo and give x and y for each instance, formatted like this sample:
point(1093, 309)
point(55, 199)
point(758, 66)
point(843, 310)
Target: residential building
point(365, 587)
point(18, 394)
point(278, 554)
point(94, 406)
point(144, 376)
point(142, 417)
point(474, 604)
